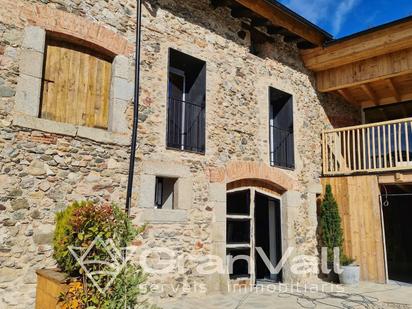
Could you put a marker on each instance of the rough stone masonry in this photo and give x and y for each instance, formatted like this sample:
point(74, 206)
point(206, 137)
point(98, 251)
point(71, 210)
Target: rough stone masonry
point(42, 170)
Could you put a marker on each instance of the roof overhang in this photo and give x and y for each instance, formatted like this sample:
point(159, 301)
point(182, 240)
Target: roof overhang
point(269, 17)
point(369, 68)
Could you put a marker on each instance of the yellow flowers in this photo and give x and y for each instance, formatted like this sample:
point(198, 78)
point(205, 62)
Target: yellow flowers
point(73, 298)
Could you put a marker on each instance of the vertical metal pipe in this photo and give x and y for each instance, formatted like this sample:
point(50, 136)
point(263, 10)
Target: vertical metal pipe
point(136, 107)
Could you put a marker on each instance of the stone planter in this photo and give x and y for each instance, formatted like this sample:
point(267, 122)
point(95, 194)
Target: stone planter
point(50, 284)
point(350, 275)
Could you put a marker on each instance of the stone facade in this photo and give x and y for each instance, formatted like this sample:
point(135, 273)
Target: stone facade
point(42, 169)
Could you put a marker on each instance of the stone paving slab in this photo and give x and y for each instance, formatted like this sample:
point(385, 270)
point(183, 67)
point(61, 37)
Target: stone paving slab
point(367, 295)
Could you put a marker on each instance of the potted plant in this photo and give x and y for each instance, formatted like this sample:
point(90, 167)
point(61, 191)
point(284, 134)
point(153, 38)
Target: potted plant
point(103, 279)
point(332, 237)
point(350, 274)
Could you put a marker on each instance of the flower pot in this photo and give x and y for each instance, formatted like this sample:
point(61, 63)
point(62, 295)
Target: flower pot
point(350, 275)
point(50, 284)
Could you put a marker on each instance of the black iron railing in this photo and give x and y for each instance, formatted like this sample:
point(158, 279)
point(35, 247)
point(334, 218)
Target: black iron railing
point(186, 125)
point(282, 147)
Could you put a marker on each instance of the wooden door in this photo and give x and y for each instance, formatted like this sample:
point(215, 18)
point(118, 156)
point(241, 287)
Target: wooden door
point(76, 85)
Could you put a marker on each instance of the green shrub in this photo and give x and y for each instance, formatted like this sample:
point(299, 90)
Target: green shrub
point(345, 260)
point(330, 224)
point(78, 226)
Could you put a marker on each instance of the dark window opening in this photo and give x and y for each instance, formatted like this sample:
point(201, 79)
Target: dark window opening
point(240, 259)
point(238, 203)
point(281, 129)
point(186, 102)
point(164, 192)
point(238, 231)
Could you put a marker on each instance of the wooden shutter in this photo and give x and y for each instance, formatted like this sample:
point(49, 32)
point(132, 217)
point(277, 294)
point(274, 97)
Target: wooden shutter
point(76, 85)
point(281, 129)
point(195, 113)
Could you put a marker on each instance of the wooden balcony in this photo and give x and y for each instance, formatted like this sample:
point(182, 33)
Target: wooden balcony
point(377, 147)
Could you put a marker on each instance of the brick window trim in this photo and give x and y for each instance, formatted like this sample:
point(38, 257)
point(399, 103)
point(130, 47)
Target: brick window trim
point(28, 94)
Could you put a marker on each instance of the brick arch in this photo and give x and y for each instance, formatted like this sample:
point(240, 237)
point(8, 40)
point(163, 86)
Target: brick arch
point(256, 183)
point(253, 171)
point(78, 28)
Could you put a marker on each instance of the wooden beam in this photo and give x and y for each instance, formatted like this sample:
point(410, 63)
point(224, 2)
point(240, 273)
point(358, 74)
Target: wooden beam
point(281, 18)
point(366, 71)
point(348, 97)
point(256, 35)
point(370, 93)
point(394, 179)
point(376, 43)
point(386, 100)
point(292, 39)
point(220, 3)
point(305, 45)
point(240, 12)
point(392, 87)
point(275, 30)
point(259, 22)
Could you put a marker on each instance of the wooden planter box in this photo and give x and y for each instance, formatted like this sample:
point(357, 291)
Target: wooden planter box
point(50, 284)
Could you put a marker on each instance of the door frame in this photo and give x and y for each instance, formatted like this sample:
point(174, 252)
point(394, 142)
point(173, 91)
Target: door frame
point(253, 190)
point(385, 256)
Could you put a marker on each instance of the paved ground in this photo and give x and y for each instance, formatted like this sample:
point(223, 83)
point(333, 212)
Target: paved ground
point(367, 295)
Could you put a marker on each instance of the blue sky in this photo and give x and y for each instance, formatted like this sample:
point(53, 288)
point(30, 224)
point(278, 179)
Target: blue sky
point(344, 17)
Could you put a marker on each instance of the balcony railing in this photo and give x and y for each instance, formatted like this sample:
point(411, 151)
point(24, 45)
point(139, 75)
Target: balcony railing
point(186, 125)
point(377, 147)
point(281, 147)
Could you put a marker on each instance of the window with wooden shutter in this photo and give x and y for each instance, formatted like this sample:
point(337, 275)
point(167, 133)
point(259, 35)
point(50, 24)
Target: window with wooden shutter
point(282, 152)
point(76, 85)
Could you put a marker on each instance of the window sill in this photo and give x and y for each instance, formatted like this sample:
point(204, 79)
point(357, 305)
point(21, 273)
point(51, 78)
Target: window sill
point(185, 150)
point(283, 167)
point(152, 215)
point(45, 125)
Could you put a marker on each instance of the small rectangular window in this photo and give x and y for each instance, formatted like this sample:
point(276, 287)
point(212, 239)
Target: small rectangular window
point(164, 192)
point(76, 85)
point(282, 151)
point(186, 102)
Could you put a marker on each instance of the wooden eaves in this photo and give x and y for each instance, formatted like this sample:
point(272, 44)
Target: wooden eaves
point(274, 18)
point(372, 67)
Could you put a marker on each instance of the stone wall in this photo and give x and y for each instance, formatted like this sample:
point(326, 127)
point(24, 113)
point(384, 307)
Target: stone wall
point(40, 172)
point(236, 123)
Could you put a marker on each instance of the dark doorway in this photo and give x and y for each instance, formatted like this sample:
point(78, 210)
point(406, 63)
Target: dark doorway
point(397, 214)
point(267, 236)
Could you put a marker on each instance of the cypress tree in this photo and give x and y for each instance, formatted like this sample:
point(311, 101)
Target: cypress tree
point(330, 224)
